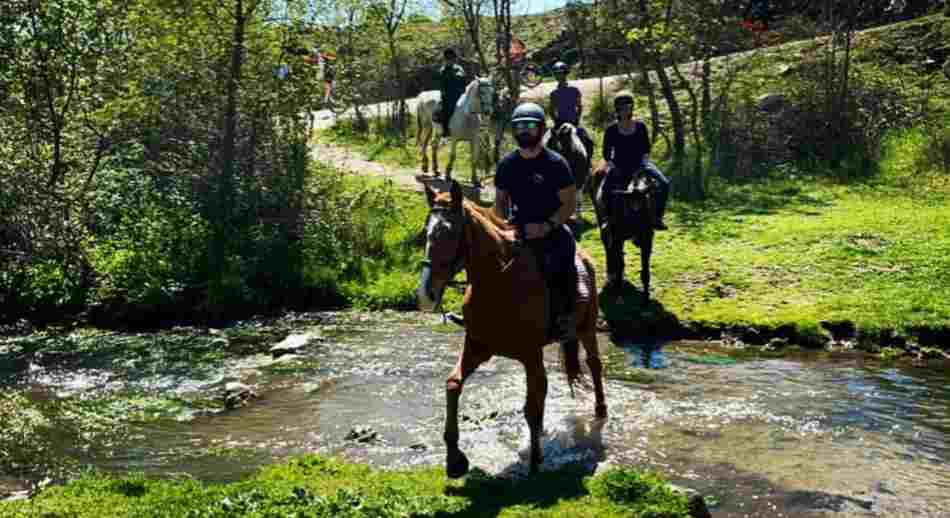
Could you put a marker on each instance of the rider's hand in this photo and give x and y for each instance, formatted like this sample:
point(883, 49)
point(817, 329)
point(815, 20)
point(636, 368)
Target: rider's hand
point(536, 230)
point(508, 235)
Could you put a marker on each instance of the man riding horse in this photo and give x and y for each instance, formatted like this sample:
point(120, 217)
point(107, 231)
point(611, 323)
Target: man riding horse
point(567, 106)
point(535, 187)
point(626, 151)
point(451, 85)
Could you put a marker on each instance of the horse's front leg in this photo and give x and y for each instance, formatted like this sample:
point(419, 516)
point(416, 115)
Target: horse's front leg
point(422, 140)
point(646, 250)
point(453, 142)
point(456, 463)
point(474, 148)
point(537, 379)
point(435, 153)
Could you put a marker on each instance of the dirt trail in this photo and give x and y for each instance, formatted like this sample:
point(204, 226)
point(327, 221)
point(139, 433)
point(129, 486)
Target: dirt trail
point(355, 162)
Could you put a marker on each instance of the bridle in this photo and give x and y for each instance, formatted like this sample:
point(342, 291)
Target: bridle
point(458, 258)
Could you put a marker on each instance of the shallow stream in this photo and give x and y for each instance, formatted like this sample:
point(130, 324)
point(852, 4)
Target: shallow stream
point(805, 435)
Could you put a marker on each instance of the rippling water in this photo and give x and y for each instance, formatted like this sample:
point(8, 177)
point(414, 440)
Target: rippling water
point(799, 436)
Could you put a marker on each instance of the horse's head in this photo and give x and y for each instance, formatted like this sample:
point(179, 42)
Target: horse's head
point(444, 238)
point(636, 198)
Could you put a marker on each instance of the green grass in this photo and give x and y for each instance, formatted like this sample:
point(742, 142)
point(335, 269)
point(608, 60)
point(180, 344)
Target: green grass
point(317, 486)
point(796, 249)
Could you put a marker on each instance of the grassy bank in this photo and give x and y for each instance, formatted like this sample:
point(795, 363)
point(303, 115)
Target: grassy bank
point(799, 254)
point(317, 486)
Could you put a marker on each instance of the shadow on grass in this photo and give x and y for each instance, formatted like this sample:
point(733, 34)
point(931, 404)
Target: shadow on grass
point(490, 495)
point(630, 318)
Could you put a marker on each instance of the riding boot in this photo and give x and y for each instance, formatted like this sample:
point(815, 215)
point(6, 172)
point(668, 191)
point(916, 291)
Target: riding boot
point(567, 318)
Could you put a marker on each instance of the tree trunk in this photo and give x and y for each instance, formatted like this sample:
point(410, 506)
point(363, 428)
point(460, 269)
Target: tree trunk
point(224, 192)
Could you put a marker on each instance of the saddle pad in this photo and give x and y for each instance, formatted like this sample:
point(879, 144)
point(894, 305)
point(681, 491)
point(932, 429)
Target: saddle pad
point(583, 280)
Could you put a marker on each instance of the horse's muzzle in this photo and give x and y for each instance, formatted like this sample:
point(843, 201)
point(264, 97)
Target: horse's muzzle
point(427, 298)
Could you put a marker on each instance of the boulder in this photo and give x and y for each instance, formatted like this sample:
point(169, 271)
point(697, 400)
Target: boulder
point(294, 343)
point(771, 102)
point(363, 434)
point(237, 394)
point(697, 504)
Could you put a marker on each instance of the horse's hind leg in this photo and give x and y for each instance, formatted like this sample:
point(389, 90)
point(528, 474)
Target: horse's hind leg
point(456, 463)
point(534, 404)
point(592, 352)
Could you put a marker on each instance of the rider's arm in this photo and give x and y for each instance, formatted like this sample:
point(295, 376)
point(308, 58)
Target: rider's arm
point(608, 148)
point(502, 203)
point(644, 139)
point(580, 105)
point(568, 196)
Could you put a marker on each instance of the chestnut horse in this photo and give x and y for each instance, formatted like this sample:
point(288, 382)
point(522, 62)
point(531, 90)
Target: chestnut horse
point(504, 309)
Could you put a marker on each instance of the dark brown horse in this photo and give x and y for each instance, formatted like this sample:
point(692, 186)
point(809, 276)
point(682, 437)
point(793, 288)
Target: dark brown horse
point(622, 215)
point(568, 144)
point(504, 309)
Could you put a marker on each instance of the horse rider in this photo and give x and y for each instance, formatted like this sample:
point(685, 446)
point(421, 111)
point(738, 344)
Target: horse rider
point(627, 150)
point(567, 106)
point(535, 186)
point(451, 86)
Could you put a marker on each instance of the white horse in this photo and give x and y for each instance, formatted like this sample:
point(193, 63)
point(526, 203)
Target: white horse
point(464, 124)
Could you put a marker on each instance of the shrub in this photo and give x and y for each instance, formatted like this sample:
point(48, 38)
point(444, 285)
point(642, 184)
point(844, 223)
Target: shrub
point(647, 494)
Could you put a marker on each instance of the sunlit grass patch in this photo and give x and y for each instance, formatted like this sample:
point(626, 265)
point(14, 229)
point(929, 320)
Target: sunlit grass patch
point(318, 486)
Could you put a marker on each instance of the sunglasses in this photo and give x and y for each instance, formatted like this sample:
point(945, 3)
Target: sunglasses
point(525, 125)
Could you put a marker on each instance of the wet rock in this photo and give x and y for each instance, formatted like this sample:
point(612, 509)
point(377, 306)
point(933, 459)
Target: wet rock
point(776, 344)
point(237, 394)
point(362, 434)
point(287, 358)
point(771, 102)
point(697, 505)
point(294, 343)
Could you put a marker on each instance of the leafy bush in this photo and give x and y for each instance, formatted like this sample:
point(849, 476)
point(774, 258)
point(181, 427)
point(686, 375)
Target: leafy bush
point(935, 153)
point(648, 494)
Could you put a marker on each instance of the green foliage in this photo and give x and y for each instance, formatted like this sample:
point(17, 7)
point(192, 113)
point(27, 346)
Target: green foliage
point(890, 353)
point(646, 493)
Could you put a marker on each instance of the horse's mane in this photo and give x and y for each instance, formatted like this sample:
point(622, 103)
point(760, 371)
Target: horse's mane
point(487, 215)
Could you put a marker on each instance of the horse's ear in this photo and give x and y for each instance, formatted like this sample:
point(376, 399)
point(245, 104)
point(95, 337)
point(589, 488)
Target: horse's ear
point(457, 196)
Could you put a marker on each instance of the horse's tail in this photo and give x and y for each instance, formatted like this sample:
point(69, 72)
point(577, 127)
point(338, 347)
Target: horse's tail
point(586, 323)
point(571, 362)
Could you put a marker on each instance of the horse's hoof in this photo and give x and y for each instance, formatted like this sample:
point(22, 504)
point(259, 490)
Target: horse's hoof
point(456, 465)
point(600, 411)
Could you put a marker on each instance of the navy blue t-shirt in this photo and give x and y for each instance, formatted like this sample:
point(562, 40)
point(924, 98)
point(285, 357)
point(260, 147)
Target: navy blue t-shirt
point(533, 184)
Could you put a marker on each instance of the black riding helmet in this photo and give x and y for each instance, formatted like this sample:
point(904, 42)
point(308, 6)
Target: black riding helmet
point(622, 98)
point(561, 68)
point(449, 54)
point(528, 112)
